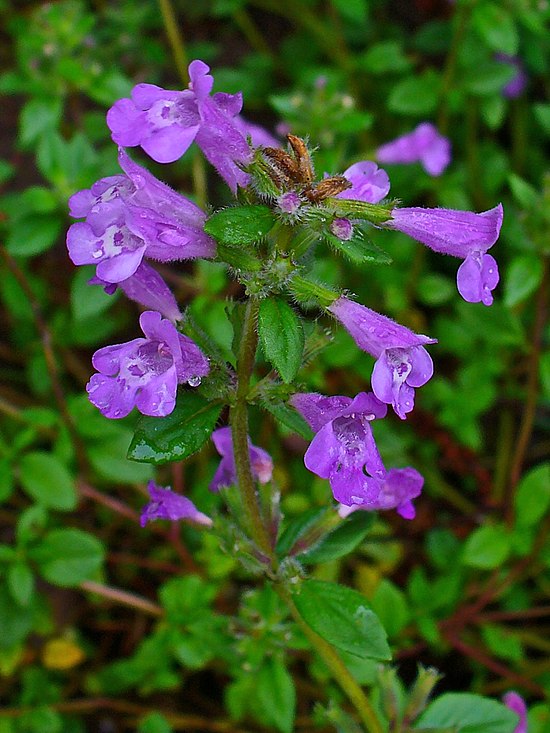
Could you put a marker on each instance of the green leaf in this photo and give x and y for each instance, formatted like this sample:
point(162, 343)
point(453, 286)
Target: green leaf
point(288, 417)
point(66, 557)
point(38, 116)
point(282, 337)
point(277, 695)
point(33, 234)
point(416, 95)
point(525, 194)
point(469, 714)
point(487, 547)
point(175, 437)
point(542, 116)
point(359, 248)
point(532, 497)
point(47, 481)
point(501, 643)
point(384, 58)
point(88, 300)
point(154, 723)
point(108, 456)
point(489, 78)
point(497, 27)
point(340, 542)
point(297, 527)
point(21, 583)
point(342, 617)
point(240, 224)
point(390, 603)
point(523, 277)
point(544, 377)
point(15, 620)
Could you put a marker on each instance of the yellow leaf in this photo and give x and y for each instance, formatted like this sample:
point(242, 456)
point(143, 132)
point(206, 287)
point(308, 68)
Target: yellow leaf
point(61, 654)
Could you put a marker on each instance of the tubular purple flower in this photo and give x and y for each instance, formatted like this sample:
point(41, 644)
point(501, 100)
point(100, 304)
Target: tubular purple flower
point(516, 703)
point(226, 475)
point(147, 288)
point(424, 145)
point(395, 491)
point(344, 452)
point(131, 217)
point(369, 182)
point(145, 372)
point(460, 234)
point(402, 362)
point(165, 123)
point(165, 504)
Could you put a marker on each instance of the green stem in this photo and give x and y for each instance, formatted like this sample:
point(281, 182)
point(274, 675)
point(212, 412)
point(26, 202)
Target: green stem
point(175, 38)
point(239, 429)
point(338, 669)
point(460, 25)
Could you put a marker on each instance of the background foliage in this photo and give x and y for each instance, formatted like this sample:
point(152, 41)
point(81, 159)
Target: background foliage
point(107, 627)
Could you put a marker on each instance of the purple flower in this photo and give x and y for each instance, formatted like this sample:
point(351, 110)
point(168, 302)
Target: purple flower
point(402, 362)
point(516, 703)
point(131, 217)
point(166, 122)
point(344, 452)
point(369, 182)
point(424, 145)
point(226, 474)
point(145, 372)
point(165, 504)
point(515, 87)
point(395, 491)
point(460, 234)
point(147, 288)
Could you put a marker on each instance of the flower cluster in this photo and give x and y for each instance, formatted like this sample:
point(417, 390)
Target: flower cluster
point(132, 219)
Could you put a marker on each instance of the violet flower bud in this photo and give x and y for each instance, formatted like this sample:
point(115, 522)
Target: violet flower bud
point(460, 234)
point(344, 452)
point(165, 504)
point(516, 703)
point(423, 145)
point(165, 123)
point(261, 462)
point(516, 86)
point(145, 372)
point(402, 362)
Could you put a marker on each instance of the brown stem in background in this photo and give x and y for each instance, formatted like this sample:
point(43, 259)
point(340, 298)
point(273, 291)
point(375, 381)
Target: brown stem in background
point(49, 356)
point(122, 597)
point(529, 411)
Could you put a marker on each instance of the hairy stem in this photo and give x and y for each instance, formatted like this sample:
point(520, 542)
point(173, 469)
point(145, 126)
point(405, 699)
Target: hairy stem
point(239, 429)
point(337, 668)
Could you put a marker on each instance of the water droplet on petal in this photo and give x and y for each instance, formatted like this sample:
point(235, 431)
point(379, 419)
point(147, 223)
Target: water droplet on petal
point(194, 381)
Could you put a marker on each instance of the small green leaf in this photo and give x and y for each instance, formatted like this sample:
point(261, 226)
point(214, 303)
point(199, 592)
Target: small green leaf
point(342, 617)
point(282, 337)
point(66, 557)
point(341, 541)
point(523, 277)
point(175, 437)
point(21, 583)
point(297, 527)
point(525, 194)
point(154, 723)
point(416, 95)
point(542, 116)
point(277, 695)
point(497, 27)
point(489, 78)
point(532, 497)
point(385, 57)
point(359, 248)
point(390, 603)
point(33, 234)
point(468, 713)
point(240, 224)
point(38, 116)
point(15, 620)
point(47, 481)
point(288, 417)
point(88, 300)
point(487, 547)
